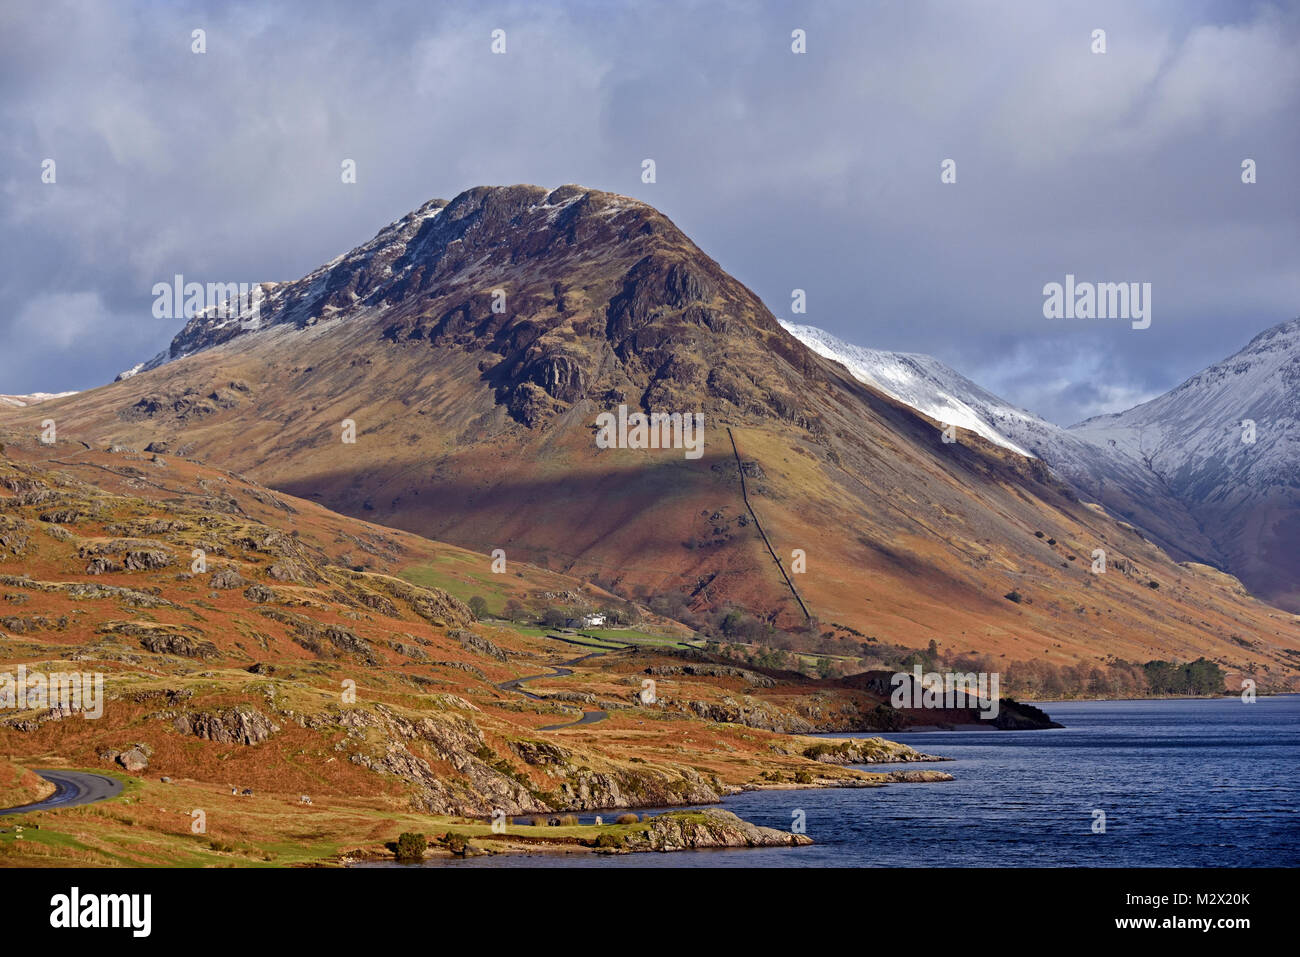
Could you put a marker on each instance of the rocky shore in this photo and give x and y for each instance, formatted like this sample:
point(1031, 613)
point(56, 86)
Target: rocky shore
point(670, 831)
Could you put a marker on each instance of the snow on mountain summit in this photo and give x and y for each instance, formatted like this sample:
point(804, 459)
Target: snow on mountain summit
point(925, 384)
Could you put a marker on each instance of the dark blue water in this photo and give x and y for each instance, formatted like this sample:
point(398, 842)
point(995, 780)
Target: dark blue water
point(1182, 783)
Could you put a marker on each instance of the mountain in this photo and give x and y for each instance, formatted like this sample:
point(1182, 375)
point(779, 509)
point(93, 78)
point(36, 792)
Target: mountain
point(1226, 443)
point(1177, 467)
point(474, 346)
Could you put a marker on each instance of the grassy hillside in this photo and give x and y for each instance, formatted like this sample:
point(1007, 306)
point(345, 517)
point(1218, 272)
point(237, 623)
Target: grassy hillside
point(297, 661)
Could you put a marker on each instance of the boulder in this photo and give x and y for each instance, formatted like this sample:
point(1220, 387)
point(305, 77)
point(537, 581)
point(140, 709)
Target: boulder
point(133, 760)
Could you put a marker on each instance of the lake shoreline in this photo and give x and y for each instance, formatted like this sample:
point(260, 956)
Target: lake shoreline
point(1227, 695)
point(1025, 800)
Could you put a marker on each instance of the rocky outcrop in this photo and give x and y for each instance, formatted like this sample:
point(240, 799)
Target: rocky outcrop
point(918, 777)
point(88, 590)
point(477, 643)
point(323, 640)
point(713, 671)
point(133, 760)
point(480, 789)
point(860, 751)
point(435, 606)
point(164, 643)
point(588, 790)
point(164, 639)
point(541, 752)
point(477, 787)
point(462, 666)
point(260, 594)
point(751, 712)
point(712, 827)
point(226, 578)
point(238, 725)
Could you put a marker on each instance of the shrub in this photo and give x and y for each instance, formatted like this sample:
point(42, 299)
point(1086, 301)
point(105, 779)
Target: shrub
point(1014, 595)
point(410, 846)
point(802, 777)
point(478, 607)
point(569, 820)
point(455, 842)
point(627, 819)
point(610, 840)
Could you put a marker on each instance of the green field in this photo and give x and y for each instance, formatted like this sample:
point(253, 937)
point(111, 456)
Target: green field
point(464, 575)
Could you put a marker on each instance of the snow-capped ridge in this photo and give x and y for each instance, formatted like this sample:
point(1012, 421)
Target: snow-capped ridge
point(924, 383)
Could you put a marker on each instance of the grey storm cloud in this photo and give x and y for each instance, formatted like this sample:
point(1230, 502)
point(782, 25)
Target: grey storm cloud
point(817, 171)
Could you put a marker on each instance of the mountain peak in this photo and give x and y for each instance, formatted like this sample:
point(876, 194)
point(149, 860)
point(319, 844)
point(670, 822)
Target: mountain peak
point(1284, 333)
point(562, 294)
point(478, 235)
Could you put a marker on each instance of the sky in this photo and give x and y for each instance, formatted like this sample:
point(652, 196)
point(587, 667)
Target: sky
point(818, 171)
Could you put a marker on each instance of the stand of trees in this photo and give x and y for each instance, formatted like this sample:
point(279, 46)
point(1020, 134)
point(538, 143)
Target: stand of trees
point(740, 636)
point(1027, 679)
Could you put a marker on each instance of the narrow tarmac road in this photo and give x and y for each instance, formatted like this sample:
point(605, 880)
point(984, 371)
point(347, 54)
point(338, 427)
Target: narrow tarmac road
point(71, 789)
point(588, 717)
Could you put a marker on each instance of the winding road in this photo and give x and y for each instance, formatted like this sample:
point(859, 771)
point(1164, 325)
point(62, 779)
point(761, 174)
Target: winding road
point(71, 788)
point(588, 717)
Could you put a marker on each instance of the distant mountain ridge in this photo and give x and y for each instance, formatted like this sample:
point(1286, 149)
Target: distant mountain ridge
point(1227, 444)
point(1178, 466)
point(34, 398)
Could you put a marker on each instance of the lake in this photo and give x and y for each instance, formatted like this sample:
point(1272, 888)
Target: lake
point(1183, 783)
